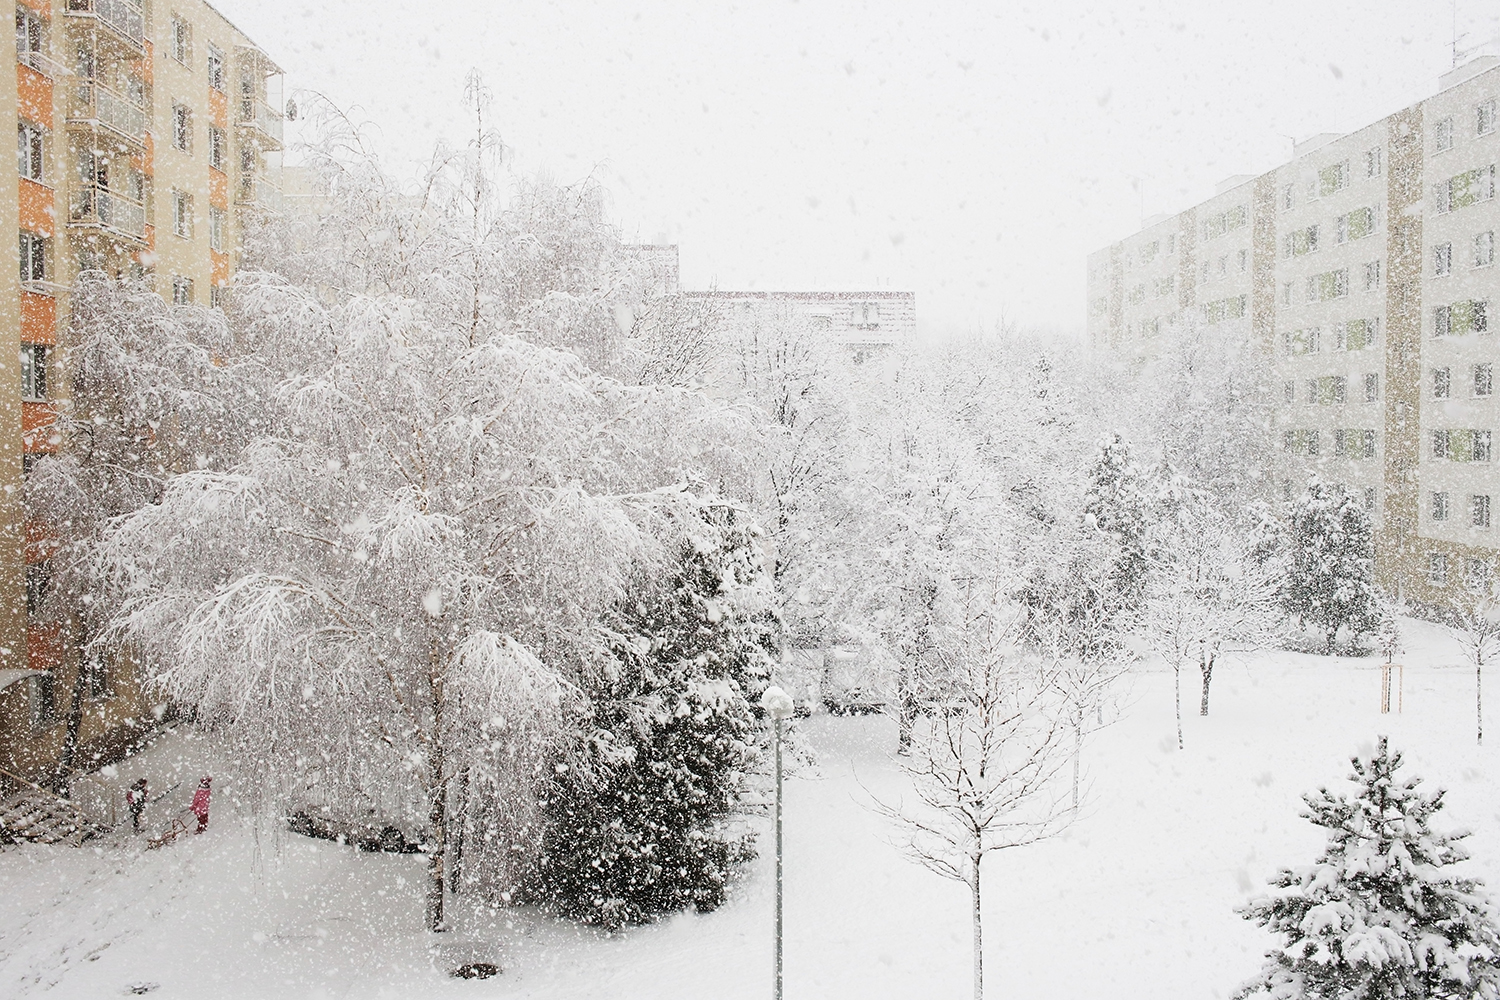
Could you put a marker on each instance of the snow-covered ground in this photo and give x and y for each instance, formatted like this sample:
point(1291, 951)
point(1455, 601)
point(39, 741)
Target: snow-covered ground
point(1137, 900)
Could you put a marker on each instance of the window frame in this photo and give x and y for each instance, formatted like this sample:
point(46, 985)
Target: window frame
point(34, 372)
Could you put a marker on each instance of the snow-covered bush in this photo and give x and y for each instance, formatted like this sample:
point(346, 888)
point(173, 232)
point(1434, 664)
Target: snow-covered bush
point(1330, 575)
point(1382, 914)
point(644, 827)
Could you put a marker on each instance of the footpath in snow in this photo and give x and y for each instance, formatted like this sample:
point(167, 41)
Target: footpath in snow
point(1136, 900)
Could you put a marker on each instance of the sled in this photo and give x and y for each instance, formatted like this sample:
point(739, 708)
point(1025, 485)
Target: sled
point(179, 826)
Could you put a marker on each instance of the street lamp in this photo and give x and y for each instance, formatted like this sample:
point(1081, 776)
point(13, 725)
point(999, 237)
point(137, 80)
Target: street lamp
point(778, 705)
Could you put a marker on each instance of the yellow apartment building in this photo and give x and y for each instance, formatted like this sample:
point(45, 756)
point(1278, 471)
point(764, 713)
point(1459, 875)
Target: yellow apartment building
point(1366, 267)
point(147, 133)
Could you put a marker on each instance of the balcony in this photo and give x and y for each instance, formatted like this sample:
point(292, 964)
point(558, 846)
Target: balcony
point(123, 18)
point(51, 70)
point(105, 209)
point(256, 190)
point(262, 121)
point(97, 106)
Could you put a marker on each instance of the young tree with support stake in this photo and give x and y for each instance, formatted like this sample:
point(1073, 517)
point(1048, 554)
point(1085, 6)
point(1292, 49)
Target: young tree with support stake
point(1475, 624)
point(985, 761)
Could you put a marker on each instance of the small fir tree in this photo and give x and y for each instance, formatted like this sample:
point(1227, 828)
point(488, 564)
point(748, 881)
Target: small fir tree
point(1380, 914)
point(639, 826)
point(1330, 581)
point(1118, 504)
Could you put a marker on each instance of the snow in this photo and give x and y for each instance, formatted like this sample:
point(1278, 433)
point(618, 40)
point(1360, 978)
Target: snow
point(1136, 899)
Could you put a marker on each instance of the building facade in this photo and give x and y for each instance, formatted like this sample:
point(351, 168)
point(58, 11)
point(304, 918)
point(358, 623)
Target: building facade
point(146, 134)
point(1366, 267)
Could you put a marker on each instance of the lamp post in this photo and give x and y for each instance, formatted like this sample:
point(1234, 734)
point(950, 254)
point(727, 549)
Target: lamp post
point(778, 705)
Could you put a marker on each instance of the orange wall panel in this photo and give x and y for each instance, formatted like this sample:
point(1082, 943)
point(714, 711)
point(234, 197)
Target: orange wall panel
point(38, 214)
point(38, 318)
point(36, 427)
point(218, 188)
point(46, 648)
point(218, 108)
point(34, 95)
point(41, 540)
point(144, 162)
point(42, 7)
point(142, 66)
point(150, 236)
point(220, 267)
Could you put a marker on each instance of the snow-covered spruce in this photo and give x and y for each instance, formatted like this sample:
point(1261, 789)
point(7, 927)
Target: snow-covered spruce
point(1330, 577)
point(645, 827)
point(1381, 914)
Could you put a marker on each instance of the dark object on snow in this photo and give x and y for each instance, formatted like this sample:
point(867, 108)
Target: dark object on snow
point(476, 970)
point(387, 839)
point(137, 989)
point(853, 702)
point(135, 799)
point(200, 802)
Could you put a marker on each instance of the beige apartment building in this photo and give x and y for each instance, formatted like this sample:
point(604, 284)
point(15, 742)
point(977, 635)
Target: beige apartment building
point(1366, 266)
point(146, 134)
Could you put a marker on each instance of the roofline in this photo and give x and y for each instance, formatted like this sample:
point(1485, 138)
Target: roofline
point(812, 296)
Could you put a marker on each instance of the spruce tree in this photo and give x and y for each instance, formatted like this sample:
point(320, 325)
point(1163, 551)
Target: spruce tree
point(1381, 914)
point(1118, 504)
point(1330, 581)
point(639, 826)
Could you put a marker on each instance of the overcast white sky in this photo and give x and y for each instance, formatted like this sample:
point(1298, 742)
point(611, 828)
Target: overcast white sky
point(974, 152)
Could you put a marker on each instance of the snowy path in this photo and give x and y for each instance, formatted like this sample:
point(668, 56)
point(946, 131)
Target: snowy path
point(1136, 901)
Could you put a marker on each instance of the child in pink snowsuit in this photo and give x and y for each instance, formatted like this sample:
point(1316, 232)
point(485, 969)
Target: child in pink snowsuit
point(200, 803)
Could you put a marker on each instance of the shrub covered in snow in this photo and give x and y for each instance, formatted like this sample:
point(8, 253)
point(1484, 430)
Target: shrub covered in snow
point(1330, 581)
point(1381, 914)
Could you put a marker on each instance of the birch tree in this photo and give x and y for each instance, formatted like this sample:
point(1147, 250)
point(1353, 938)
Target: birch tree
point(1475, 624)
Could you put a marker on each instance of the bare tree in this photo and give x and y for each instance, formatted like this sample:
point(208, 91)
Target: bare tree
point(1475, 624)
point(985, 761)
point(1087, 660)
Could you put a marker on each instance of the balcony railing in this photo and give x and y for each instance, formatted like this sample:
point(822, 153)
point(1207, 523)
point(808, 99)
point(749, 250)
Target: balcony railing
point(93, 103)
point(42, 64)
point(103, 207)
point(256, 190)
point(124, 17)
point(258, 115)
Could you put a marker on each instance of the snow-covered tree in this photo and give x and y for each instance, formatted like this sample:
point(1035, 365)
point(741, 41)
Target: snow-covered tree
point(1382, 914)
point(1210, 590)
point(984, 761)
point(643, 828)
point(1119, 503)
point(1474, 622)
point(1330, 578)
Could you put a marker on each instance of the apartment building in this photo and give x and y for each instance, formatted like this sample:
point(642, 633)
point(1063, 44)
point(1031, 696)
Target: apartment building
point(147, 133)
point(1366, 267)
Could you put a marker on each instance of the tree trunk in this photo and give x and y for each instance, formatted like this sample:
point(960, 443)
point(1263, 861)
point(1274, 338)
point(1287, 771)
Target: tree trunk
point(437, 804)
point(906, 714)
point(460, 820)
point(1177, 698)
point(1077, 756)
point(978, 933)
point(1206, 666)
point(1479, 701)
point(75, 724)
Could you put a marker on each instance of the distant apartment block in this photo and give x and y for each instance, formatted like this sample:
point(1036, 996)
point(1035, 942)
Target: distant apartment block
point(144, 136)
point(1366, 267)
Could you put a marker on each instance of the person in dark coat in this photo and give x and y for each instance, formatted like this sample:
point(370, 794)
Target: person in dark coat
point(200, 802)
point(135, 799)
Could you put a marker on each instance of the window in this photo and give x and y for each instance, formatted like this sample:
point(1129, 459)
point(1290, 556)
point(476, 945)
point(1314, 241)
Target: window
point(1244, 260)
point(1340, 443)
point(1302, 341)
point(1481, 445)
point(1328, 285)
point(43, 701)
point(216, 228)
point(1479, 510)
point(182, 290)
point(1465, 189)
point(1437, 569)
point(182, 214)
point(1171, 241)
point(180, 44)
point(218, 297)
point(1484, 118)
point(1478, 574)
point(1334, 389)
point(1332, 178)
point(1442, 259)
point(1357, 334)
point(29, 141)
point(33, 371)
point(1442, 383)
point(38, 583)
point(1372, 162)
point(1442, 135)
point(1312, 442)
point(1370, 494)
point(1440, 506)
point(216, 68)
point(866, 315)
point(1312, 390)
point(1288, 197)
point(182, 127)
point(1369, 449)
point(28, 33)
point(1484, 379)
point(1461, 318)
point(1372, 387)
point(218, 148)
point(1300, 242)
point(1286, 294)
point(1439, 444)
point(1484, 249)
point(1356, 225)
point(33, 258)
point(1372, 275)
